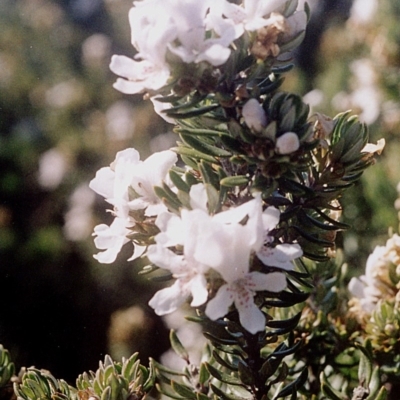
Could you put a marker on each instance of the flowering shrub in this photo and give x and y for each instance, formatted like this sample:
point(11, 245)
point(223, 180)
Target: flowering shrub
point(241, 215)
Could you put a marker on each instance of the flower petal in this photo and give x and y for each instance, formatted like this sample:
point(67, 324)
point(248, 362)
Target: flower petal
point(251, 318)
point(198, 288)
point(168, 300)
point(272, 282)
point(219, 305)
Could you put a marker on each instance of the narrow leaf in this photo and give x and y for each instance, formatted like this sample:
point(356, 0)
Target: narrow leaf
point(203, 147)
point(177, 346)
point(232, 181)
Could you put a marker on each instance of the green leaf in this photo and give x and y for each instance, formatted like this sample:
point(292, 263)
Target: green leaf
point(312, 238)
point(224, 362)
point(195, 98)
point(192, 153)
point(319, 224)
point(329, 391)
point(339, 225)
point(223, 395)
point(231, 380)
point(190, 114)
point(184, 198)
point(168, 196)
point(294, 386)
point(208, 173)
point(374, 384)
point(286, 350)
point(200, 132)
point(339, 120)
point(167, 393)
point(292, 322)
point(129, 367)
point(273, 85)
point(213, 197)
point(203, 147)
point(204, 375)
point(232, 181)
point(201, 396)
point(365, 367)
point(161, 368)
point(382, 395)
point(106, 395)
point(178, 181)
point(186, 392)
point(246, 374)
point(177, 346)
point(190, 178)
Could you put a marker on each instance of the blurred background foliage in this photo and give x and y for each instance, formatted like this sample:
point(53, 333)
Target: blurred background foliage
point(61, 120)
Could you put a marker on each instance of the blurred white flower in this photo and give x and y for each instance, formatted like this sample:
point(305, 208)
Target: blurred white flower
point(314, 98)
point(363, 11)
point(254, 115)
point(78, 218)
point(65, 93)
point(365, 97)
point(95, 49)
point(120, 121)
point(287, 143)
point(190, 336)
point(53, 165)
point(380, 281)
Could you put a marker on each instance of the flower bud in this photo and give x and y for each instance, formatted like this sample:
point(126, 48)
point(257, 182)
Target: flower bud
point(287, 143)
point(254, 115)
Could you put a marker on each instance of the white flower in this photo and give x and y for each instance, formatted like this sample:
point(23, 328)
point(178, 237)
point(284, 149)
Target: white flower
point(380, 281)
point(224, 242)
point(252, 16)
point(184, 27)
point(53, 165)
point(241, 292)
point(139, 76)
point(113, 182)
point(241, 285)
point(280, 256)
point(287, 143)
point(192, 24)
point(254, 115)
point(128, 171)
point(374, 148)
point(147, 174)
point(117, 183)
point(110, 239)
point(151, 33)
point(187, 231)
point(159, 107)
point(190, 280)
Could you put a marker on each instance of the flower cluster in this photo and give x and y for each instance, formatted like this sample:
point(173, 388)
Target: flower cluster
point(194, 246)
point(225, 244)
point(177, 41)
point(381, 281)
point(128, 186)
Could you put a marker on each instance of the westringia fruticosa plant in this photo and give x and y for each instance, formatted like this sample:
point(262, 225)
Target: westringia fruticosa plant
point(234, 218)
